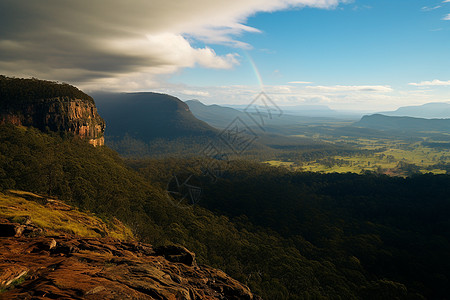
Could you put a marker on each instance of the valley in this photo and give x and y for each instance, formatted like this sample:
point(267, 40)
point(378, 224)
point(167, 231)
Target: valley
point(344, 217)
point(394, 157)
point(400, 147)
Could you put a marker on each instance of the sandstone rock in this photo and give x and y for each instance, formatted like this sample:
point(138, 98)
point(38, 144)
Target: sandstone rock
point(177, 254)
point(52, 244)
point(58, 205)
point(11, 229)
point(109, 269)
point(10, 273)
point(31, 230)
point(61, 114)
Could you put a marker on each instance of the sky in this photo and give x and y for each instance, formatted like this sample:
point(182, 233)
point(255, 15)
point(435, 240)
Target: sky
point(346, 54)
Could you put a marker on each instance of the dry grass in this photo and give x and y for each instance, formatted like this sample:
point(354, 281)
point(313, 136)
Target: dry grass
point(56, 217)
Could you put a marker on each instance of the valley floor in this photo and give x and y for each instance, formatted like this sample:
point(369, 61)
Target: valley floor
point(381, 155)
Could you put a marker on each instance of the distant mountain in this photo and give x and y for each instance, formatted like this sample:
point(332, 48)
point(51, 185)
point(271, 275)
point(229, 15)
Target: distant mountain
point(310, 111)
point(146, 116)
point(429, 111)
point(299, 110)
point(221, 116)
point(152, 124)
point(215, 115)
point(382, 122)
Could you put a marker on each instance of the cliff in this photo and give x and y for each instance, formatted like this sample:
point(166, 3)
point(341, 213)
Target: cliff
point(42, 260)
point(50, 106)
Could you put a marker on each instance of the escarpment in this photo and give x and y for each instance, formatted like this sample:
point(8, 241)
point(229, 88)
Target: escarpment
point(50, 106)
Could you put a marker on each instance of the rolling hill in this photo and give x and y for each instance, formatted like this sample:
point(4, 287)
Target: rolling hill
point(406, 124)
point(216, 115)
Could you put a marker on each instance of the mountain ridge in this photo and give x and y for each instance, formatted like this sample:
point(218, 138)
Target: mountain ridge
point(432, 110)
point(161, 114)
point(383, 122)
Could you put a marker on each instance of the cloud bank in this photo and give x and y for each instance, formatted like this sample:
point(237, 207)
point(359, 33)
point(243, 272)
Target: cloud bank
point(106, 42)
point(340, 97)
point(435, 82)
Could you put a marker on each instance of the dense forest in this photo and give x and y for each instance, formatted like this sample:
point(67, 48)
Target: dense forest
point(288, 235)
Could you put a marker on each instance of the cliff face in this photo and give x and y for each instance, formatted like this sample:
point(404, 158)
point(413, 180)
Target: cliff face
point(51, 106)
point(60, 114)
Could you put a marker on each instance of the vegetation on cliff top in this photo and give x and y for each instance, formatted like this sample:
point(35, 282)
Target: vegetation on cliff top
point(16, 91)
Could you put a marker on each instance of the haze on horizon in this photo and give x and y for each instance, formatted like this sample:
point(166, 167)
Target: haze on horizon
point(348, 55)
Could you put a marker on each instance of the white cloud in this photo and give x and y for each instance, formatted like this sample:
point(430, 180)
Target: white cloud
point(446, 18)
point(195, 93)
point(434, 82)
point(352, 88)
point(82, 41)
point(299, 82)
point(369, 97)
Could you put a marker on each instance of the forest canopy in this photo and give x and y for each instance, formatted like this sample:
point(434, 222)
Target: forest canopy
point(16, 91)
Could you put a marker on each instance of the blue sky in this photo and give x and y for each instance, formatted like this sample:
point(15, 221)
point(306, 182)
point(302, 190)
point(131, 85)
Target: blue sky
point(346, 54)
point(364, 43)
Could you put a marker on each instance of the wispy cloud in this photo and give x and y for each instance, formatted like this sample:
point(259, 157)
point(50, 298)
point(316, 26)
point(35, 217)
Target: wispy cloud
point(434, 82)
point(446, 18)
point(352, 88)
point(427, 8)
point(300, 82)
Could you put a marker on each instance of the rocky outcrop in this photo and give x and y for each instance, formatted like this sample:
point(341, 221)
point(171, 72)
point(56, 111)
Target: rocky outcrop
point(42, 258)
point(82, 268)
point(50, 106)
